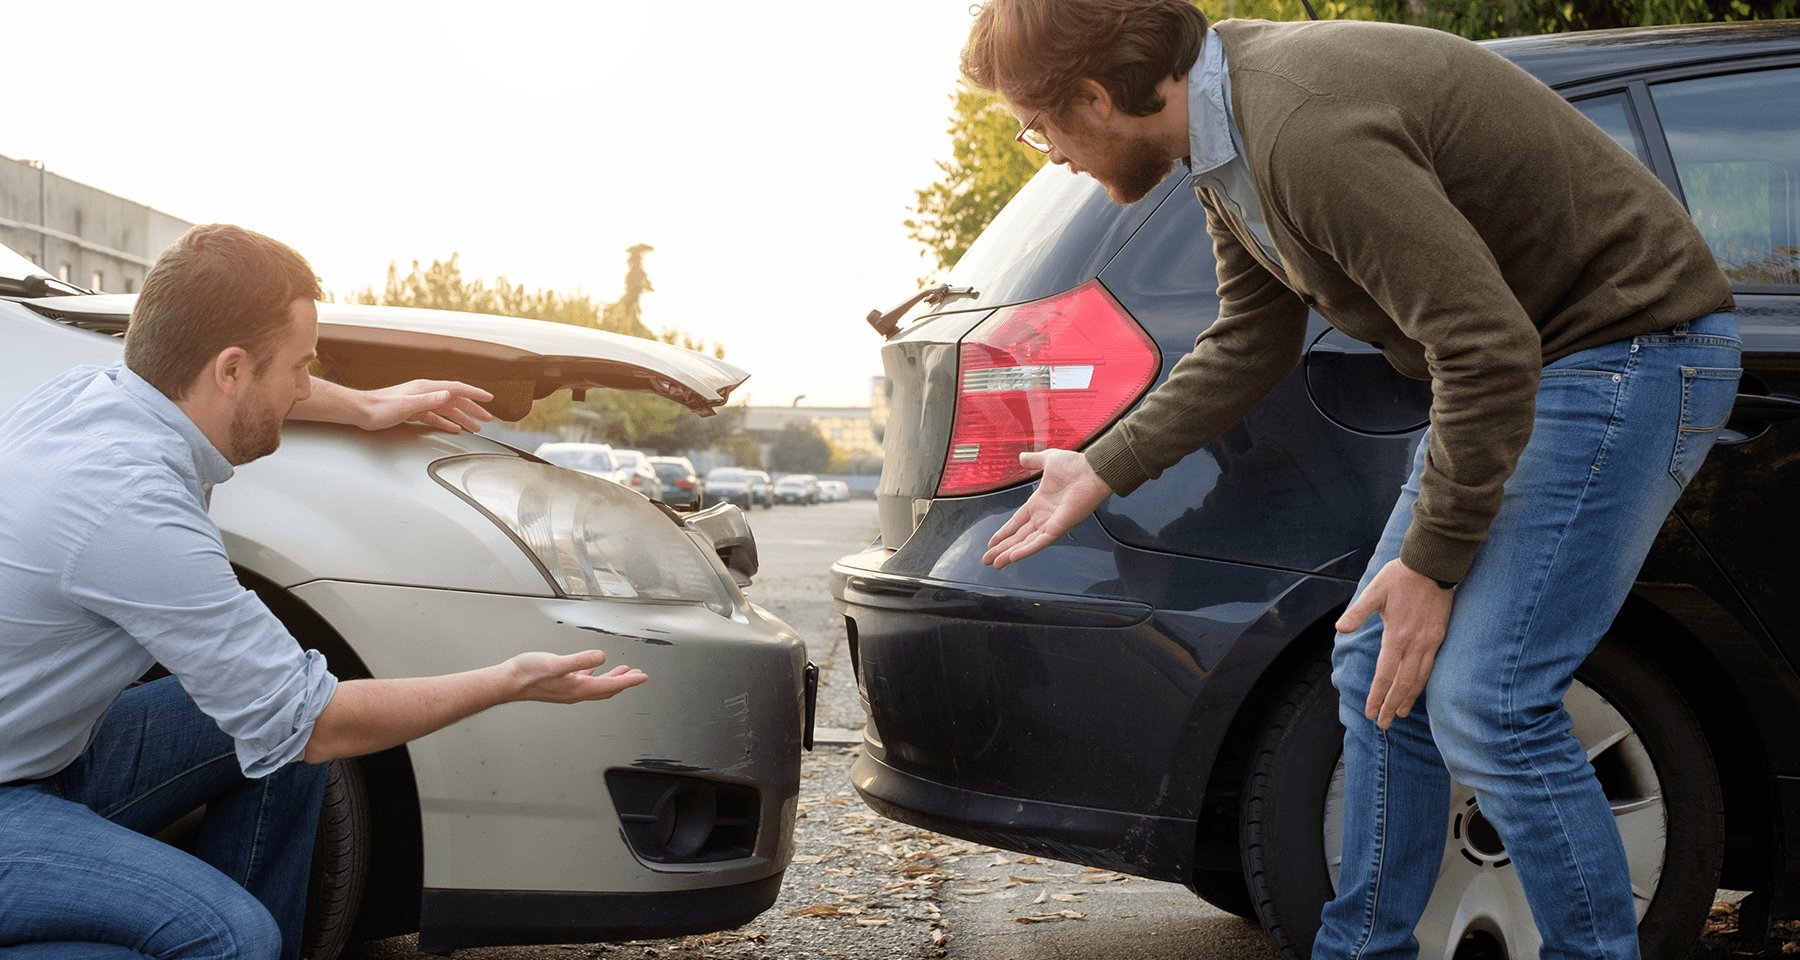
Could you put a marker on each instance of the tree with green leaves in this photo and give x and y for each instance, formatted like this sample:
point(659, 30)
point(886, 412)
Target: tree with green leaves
point(800, 448)
point(984, 170)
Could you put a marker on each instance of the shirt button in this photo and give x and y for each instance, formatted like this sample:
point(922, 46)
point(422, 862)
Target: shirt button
point(1618, 377)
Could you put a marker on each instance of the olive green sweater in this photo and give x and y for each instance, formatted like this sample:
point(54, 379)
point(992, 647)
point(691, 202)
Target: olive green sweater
point(1430, 198)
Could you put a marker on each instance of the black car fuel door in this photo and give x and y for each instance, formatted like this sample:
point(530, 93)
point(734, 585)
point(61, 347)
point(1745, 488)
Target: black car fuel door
point(1355, 387)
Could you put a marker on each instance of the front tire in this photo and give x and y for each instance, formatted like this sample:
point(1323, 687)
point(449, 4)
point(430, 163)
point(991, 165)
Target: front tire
point(1648, 750)
point(340, 867)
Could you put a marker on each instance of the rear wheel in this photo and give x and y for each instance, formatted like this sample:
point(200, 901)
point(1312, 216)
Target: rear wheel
point(1646, 748)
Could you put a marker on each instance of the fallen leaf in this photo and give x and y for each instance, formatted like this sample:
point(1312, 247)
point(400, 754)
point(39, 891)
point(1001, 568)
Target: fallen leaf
point(817, 910)
point(1017, 879)
point(1052, 917)
point(874, 922)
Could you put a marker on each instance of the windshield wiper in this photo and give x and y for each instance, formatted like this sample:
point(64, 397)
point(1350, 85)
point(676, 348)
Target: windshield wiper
point(887, 324)
point(37, 285)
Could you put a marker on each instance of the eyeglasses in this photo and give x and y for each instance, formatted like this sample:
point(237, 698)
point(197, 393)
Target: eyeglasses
point(1032, 137)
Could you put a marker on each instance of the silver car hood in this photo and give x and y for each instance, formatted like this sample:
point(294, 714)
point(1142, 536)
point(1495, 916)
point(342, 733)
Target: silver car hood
point(518, 360)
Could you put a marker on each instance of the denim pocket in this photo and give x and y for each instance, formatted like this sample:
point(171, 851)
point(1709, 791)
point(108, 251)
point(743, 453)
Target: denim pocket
point(1707, 395)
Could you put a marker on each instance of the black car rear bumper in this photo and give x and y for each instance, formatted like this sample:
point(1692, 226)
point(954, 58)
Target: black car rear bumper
point(1160, 848)
point(1084, 728)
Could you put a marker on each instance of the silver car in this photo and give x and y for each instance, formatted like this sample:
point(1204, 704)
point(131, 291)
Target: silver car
point(408, 552)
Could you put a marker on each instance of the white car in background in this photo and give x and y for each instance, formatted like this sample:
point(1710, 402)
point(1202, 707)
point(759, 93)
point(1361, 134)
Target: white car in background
point(636, 472)
point(409, 552)
point(593, 459)
point(833, 491)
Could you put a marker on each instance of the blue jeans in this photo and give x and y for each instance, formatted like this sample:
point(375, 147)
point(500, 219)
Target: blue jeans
point(81, 877)
point(1619, 430)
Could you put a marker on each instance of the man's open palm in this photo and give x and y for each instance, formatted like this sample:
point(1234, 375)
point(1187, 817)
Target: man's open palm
point(1068, 493)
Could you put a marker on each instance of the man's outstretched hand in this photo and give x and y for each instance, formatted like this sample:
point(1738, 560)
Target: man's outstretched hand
point(1069, 491)
point(550, 678)
point(441, 404)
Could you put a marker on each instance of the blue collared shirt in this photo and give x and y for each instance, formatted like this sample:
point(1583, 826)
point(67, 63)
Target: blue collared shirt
point(1216, 148)
point(109, 563)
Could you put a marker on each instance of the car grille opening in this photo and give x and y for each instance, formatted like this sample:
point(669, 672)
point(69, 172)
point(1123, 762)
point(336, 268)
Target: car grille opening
point(676, 818)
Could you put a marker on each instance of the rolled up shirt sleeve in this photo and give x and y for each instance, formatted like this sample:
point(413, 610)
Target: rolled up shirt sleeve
point(156, 567)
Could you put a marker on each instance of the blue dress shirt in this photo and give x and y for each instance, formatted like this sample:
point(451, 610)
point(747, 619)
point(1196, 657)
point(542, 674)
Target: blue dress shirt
point(1216, 148)
point(109, 563)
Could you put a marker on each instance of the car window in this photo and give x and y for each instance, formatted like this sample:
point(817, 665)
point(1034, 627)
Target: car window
point(1736, 144)
point(1612, 114)
point(1058, 231)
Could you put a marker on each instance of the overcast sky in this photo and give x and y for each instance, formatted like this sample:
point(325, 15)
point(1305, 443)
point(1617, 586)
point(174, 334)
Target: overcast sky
point(768, 149)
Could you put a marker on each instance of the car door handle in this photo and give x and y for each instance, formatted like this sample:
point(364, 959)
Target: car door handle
point(1752, 414)
point(1764, 408)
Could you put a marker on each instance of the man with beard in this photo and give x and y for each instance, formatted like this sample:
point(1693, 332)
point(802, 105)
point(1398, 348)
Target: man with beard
point(1426, 196)
point(110, 564)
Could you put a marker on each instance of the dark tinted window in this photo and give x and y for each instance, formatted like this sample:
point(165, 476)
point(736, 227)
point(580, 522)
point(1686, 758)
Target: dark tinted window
point(1612, 113)
point(1055, 234)
point(1736, 142)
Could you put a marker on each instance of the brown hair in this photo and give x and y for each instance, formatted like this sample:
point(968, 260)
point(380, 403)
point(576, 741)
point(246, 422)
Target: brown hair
point(1036, 52)
point(218, 286)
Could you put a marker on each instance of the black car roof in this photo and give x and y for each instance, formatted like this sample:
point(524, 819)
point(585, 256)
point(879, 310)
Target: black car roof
point(1564, 58)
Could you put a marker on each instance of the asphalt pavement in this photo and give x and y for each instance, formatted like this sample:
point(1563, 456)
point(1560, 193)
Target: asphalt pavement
point(862, 887)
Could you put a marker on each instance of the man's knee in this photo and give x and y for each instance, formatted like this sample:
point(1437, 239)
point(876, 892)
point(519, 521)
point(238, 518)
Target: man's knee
point(240, 927)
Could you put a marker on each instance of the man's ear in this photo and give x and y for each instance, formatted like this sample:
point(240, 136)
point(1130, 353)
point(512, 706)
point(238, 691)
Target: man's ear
point(229, 370)
point(1097, 99)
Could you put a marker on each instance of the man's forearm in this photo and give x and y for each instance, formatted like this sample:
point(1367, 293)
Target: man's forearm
point(330, 403)
point(367, 716)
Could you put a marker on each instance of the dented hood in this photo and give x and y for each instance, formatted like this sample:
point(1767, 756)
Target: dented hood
point(518, 360)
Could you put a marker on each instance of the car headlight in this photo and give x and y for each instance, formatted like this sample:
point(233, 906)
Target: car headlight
point(591, 538)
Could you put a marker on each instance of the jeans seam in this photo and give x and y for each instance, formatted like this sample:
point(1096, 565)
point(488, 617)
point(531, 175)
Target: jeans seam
point(1371, 907)
point(1510, 685)
point(148, 792)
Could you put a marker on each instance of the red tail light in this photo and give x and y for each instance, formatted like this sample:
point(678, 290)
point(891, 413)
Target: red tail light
point(1050, 373)
point(684, 484)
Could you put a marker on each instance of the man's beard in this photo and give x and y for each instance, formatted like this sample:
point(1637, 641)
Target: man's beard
point(1141, 166)
point(254, 434)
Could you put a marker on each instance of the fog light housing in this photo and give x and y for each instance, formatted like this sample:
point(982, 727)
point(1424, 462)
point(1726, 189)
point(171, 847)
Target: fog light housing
point(680, 818)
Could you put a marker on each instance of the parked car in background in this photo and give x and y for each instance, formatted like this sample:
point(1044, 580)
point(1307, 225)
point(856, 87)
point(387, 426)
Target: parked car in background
point(681, 485)
point(409, 552)
point(732, 485)
point(593, 459)
point(1151, 693)
point(833, 491)
point(636, 472)
point(797, 488)
point(763, 486)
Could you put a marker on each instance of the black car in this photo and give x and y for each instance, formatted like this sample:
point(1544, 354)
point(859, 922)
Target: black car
point(1150, 694)
point(681, 485)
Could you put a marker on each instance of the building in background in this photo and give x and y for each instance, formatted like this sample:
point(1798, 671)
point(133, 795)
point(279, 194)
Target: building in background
point(77, 233)
point(850, 430)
